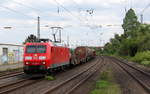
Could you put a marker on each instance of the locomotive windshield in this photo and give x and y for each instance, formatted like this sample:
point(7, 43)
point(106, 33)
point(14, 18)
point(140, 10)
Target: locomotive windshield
point(36, 49)
point(41, 49)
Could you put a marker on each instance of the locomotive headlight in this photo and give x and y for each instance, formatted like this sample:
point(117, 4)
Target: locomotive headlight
point(28, 58)
point(27, 63)
point(42, 57)
point(43, 63)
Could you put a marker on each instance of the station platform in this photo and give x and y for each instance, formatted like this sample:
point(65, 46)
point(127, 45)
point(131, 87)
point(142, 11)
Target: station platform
point(6, 67)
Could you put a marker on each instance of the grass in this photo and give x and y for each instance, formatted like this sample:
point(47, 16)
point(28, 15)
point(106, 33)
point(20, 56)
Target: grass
point(49, 78)
point(113, 89)
point(106, 85)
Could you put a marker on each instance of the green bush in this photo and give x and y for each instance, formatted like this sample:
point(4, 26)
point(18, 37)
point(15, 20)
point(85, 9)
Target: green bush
point(142, 58)
point(146, 63)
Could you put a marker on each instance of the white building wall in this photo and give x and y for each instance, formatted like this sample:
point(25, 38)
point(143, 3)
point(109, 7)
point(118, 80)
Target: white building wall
point(14, 55)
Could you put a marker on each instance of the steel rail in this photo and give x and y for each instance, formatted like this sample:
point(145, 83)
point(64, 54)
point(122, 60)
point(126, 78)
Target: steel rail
point(68, 80)
point(144, 85)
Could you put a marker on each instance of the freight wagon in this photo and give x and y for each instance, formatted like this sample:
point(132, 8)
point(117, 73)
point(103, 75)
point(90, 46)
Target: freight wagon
point(81, 54)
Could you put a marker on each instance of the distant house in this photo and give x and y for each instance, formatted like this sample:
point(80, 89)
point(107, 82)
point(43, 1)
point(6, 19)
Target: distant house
point(11, 53)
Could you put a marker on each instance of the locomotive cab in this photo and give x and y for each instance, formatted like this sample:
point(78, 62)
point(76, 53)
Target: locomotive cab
point(36, 56)
point(43, 57)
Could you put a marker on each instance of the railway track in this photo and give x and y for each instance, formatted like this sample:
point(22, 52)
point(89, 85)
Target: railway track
point(142, 77)
point(9, 87)
point(18, 84)
point(12, 74)
point(70, 84)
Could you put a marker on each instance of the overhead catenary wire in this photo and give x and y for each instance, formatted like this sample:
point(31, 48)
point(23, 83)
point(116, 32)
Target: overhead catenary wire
point(37, 10)
point(67, 10)
point(90, 11)
point(21, 13)
point(27, 6)
point(79, 7)
point(17, 12)
point(83, 19)
point(75, 3)
point(145, 8)
point(78, 18)
point(141, 14)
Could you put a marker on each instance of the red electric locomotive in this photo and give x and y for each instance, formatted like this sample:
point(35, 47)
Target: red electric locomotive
point(43, 57)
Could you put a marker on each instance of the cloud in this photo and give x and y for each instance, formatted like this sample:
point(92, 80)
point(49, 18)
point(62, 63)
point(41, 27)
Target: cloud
point(75, 20)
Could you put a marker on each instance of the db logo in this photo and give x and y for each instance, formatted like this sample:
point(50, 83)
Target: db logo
point(35, 57)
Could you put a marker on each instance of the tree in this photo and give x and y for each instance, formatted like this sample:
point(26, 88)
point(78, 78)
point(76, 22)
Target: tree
point(130, 22)
point(136, 38)
point(129, 47)
point(31, 38)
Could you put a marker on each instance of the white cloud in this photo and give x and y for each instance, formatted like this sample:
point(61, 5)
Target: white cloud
point(33, 14)
point(101, 2)
point(110, 12)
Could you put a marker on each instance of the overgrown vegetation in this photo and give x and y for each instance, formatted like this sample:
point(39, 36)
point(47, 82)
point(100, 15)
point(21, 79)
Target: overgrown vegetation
point(49, 77)
point(142, 57)
point(134, 44)
point(106, 85)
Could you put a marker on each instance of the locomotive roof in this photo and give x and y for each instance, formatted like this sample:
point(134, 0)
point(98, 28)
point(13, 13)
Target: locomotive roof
point(40, 43)
point(45, 43)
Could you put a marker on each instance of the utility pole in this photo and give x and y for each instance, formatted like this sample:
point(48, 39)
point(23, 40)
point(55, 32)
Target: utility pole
point(38, 27)
point(68, 40)
point(125, 6)
point(141, 18)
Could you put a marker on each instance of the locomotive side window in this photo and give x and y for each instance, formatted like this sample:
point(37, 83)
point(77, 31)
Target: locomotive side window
point(31, 49)
point(41, 49)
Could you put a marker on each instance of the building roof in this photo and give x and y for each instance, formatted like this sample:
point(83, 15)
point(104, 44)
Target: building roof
point(11, 44)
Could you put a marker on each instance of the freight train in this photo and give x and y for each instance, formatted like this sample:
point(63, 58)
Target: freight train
point(45, 57)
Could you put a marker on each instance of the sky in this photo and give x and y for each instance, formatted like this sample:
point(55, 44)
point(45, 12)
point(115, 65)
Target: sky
point(79, 26)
